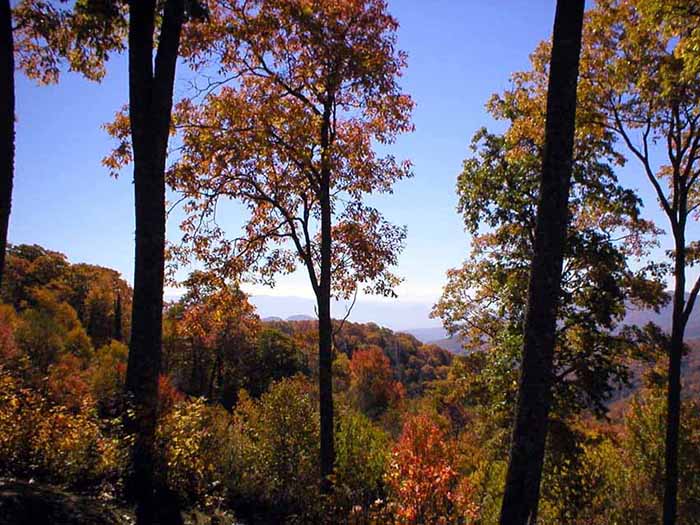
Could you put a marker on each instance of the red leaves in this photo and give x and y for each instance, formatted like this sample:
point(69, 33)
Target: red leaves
point(422, 482)
point(372, 383)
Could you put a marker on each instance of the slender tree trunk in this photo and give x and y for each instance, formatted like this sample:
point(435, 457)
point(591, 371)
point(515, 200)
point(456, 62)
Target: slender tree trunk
point(7, 108)
point(323, 296)
point(534, 396)
point(150, 104)
point(118, 319)
point(673, 411)
point(325, 341)
point(215, 373)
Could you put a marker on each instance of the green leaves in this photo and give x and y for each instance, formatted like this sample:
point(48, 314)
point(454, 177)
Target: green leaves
point(484, 300)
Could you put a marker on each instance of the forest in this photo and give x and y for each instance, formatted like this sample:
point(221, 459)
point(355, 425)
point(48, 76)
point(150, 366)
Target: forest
point(556, 399)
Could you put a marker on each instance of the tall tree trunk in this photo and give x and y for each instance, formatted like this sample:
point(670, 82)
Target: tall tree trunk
point(7, 108)
point(673, 411)
point(150, 104)
point(323, 296)
point(534, 396)
point(325, 341)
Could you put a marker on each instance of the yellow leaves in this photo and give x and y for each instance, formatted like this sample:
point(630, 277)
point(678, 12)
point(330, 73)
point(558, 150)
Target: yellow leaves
point(277, 438)
point(195, 442)
point(65, 445)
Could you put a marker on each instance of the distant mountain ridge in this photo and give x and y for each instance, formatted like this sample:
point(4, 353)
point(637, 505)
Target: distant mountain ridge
point(428, 335)
point(396, 314)
point(297, 317)
point(634, 317)
point(301, 317)
point(664, 318)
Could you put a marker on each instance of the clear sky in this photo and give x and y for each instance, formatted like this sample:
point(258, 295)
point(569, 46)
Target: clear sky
point(460, 52)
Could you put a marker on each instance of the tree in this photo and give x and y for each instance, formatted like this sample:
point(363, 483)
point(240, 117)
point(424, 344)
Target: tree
point(534, 395)
point(275, 357)
point(641, 61)
point(291, 138)
point(484, 301)
point(218, 328)
point(150, 104)
point(422, 481)
point(372, 385)
point(7, 108)
point(87, 288)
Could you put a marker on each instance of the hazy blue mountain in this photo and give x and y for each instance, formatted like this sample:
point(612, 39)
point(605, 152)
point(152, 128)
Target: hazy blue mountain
point(451, 344)
point(635, 316)
point(428, 335)
point(301, 317)
point(414, 317)
point(395, 314)
point(663, 319)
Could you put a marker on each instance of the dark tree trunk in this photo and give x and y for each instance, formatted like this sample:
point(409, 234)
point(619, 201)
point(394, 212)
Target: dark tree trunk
point(118, 319)
point(323, 298)
point(325, 340)
point(7, 108)
point(215, 374)
point(150, 104)
point(534, 396)
point(673, 412)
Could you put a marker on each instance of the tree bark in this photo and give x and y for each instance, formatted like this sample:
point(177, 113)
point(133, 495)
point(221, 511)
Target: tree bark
point(325, 323)
point(7, 110)
point(534, 396)
point(673, 411)
point(150, 105)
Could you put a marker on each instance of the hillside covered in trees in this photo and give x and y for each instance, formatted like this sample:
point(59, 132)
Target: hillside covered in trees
point(237, 399)
point(264, 140)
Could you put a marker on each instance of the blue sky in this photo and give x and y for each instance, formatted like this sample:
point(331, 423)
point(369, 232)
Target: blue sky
point(460, 52)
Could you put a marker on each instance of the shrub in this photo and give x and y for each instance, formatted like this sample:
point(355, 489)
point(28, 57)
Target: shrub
point(422, 484)
point(68, 382)
point(362, 456)
point(625, 472)
point(195, 444)
point(107, 376)
point(70, 446)
point(9, 350)
point(277, 438)
point(20, 412)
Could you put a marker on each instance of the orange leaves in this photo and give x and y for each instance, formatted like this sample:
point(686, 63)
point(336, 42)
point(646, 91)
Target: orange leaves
point(372, 384)
point(9, 350)
point(217, 312)
point(302, 88)
point(120, 130)
point(422, 482)
point(366, 245)
point(68, 382)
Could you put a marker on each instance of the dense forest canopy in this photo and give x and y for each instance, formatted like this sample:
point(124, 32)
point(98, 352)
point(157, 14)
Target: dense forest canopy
point(559, 406)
